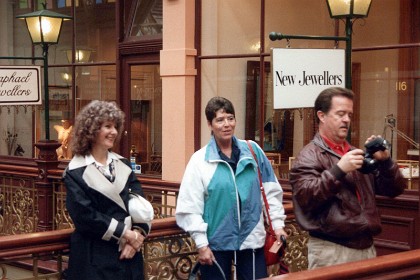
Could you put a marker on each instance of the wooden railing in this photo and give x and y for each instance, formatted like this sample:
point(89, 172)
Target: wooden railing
point(34, 243)
point(175, 263)
point(32, 200)
point(398, 266)
point(30, 250)
point(169, 252)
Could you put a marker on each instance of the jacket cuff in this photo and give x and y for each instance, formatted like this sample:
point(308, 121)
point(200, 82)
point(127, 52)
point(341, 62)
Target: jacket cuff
point(337, 172)
point(200, 239)
point(387, 164)
point(115, 231)
point(142, 230)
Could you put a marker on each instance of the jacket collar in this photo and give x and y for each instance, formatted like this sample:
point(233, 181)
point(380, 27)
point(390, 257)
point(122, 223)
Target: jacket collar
point(318, 141)
point(212, 150)
point(212, 153)
point(82, 161)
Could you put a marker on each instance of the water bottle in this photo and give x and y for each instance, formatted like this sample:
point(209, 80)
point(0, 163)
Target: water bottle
point(133, 158)
point(133, 163)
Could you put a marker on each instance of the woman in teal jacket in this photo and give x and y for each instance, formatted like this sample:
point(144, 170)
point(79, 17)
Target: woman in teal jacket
point(220, 202)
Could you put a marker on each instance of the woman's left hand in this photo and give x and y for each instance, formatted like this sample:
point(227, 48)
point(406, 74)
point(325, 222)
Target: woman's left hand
point(128, 252)
point(134, 241)
point(279, 232)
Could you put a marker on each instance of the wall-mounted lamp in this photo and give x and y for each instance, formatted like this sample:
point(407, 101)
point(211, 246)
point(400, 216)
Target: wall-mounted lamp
point(81, 55)
point(348, 10)
point(66, 77)
point(44, 26)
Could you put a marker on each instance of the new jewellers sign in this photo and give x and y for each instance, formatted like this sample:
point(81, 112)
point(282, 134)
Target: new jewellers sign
point(299, 75)
point(20, 85)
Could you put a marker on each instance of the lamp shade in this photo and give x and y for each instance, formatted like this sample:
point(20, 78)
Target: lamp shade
point(82, 55)
point(66, 77)
point(349, 8)
point(44, 26)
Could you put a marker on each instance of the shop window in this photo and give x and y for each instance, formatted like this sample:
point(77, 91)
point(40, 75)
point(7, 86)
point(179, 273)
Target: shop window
point(146, 118)
point(147, 19)
point(278, 125)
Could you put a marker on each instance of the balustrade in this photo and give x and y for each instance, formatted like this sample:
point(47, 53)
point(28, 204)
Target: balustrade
point(170, 254)
point(28, 192)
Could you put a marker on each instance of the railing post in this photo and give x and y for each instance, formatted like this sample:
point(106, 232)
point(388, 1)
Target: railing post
point(47, 159)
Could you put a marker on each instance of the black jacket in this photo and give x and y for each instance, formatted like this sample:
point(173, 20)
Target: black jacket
point(98, 209)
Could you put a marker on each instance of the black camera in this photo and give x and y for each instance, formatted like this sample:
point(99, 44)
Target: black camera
point(369, 163)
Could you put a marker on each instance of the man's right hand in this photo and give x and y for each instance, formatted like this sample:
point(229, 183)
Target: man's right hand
point(205, 255)
point(351, 161)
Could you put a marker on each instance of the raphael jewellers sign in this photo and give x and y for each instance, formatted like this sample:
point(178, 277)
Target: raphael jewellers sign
point(299, 75)
point(20, 85)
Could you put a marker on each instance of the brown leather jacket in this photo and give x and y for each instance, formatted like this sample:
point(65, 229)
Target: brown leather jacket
point(325, 199)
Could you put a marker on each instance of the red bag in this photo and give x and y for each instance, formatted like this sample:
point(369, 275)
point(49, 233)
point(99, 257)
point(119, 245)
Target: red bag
point(270, 258)
point(275, 258)
point(270, 237)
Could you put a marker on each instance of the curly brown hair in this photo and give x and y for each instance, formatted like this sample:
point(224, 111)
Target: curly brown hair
point(89, 121)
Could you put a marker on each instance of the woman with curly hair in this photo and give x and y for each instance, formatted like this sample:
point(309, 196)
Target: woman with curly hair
point(106, 242)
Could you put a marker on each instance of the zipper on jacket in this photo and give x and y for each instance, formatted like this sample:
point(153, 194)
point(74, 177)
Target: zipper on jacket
point(237, 192)
point(236, 189)
point(358, 193)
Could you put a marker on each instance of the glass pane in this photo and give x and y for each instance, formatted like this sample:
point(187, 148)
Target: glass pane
point(146, 117)
point(95, 29)
point(24, 4)
point(94, 83)
point(383, 90)
point(286, 17)
point(227, 31)
point(16, 131)
point(60, 109)
point(148, 18)
point(299, 17)
point(61, 106)
point(227, 78)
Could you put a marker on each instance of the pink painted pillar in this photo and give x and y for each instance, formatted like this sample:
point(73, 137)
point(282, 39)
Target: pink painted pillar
point(178, 74)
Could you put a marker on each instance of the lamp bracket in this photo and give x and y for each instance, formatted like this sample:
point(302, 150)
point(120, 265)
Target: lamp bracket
point(390, 123)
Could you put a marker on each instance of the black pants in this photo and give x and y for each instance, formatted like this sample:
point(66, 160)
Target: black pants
point(244, 265)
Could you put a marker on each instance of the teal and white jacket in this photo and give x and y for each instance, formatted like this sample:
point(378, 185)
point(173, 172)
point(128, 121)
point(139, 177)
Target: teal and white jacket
point(222, 209)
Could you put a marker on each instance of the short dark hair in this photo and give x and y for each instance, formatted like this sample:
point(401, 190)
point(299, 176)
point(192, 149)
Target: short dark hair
point(89, 121)
point(217, 103)
point(323, 101)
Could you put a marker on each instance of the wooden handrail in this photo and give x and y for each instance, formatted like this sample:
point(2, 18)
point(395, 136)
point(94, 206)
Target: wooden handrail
point(393, 266)
point(387, 267)
point(26, 171)
point(164, 227)
point(47, 241)
point(39, 242)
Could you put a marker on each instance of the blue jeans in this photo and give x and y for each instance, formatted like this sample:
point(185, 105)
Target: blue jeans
point(245, 265)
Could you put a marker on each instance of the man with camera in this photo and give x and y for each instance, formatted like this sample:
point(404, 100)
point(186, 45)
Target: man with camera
point(333, 195)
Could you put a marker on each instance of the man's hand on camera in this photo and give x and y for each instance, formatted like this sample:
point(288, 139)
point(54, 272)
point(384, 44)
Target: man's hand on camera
point(379, 155)
point(351, 161)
